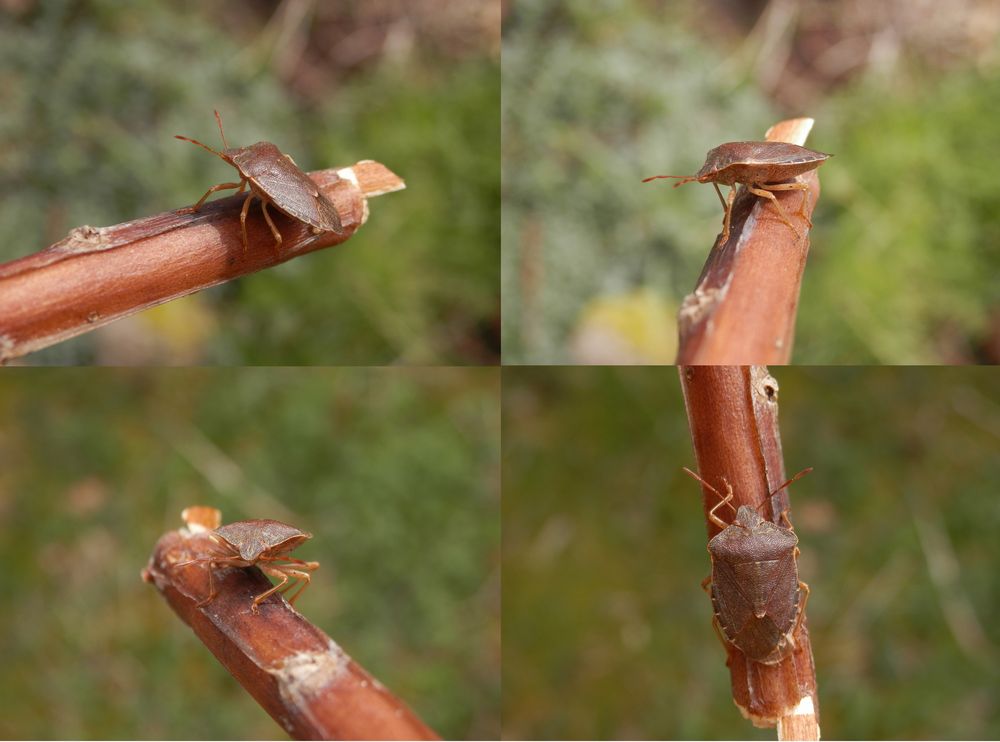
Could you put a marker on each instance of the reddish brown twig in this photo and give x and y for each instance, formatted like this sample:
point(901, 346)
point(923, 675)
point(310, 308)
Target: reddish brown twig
point(98, 275)
point(298, 674)
point(733, 415)
point(743, 308)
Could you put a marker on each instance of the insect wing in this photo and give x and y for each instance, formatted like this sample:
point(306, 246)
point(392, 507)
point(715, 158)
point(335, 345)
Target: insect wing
point(289, 189)
point(731, 606)
point(252, 538)
point(783, 153)
point(760, 638)
point(763, 153)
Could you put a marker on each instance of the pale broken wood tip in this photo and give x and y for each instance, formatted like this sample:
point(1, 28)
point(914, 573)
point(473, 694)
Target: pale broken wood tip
point(373, 178)
point(792, 131)
point(800, 723)
point(201, 518)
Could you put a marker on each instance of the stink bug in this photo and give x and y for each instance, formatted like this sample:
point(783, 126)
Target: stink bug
point(757, 597)
point(261, 543)
point(760, 166)
point(276, 180)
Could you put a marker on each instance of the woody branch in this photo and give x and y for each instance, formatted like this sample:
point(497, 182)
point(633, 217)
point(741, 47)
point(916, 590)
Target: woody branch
point(99, 274)
point(733, 416)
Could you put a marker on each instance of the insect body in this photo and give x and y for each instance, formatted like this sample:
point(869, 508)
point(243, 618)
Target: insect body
point(261, 543)
point(757, 597)
point(761, 166)
point(276, 180)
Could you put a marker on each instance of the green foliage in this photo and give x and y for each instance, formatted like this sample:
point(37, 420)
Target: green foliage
point(393, 471)
point(596, 96)
point(906, 261)
point(93, 106)
point(606, 632)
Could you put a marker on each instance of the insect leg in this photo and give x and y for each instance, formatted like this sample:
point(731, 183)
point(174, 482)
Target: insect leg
point(721, 199)
point(304, 577)
point(728, 206)
point(301, 564)
point(790, 636)
point(805, 599)
point(783, 516)
point(718, 632)
point(267, 593)
point(761, 191)
point(725, 501)
point(274, 229)
point(243, 220)
point(220, 187)
point(211, 587)
point(796, 186)
point(286, 573)
point(298, 569)
point(211, 575)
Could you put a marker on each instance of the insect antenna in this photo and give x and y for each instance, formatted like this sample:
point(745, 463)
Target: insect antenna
point(698, 478)
point(203, 146)
point(219, 119)
point(796, 478)
point(683, 178)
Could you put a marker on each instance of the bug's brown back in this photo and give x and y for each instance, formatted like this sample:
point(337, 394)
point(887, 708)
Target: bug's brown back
point(758, 162)
point(289, 189)
point(251, 538)
point(755, 590)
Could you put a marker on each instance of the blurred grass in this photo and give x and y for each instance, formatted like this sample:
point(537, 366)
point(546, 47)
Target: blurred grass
point(908, 234)
point(905, 255)
point(394, 471)
point(606, 631)
point(91, 104)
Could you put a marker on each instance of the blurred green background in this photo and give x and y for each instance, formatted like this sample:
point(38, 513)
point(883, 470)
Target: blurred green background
point(94, 90)
point(606, 631)
point(394, 471)
point(598, 94)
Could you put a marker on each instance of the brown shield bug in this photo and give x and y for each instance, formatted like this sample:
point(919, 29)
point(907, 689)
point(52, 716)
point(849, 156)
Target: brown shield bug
point(261, 543)
point(761, 167)
point(276, 180)
point(757, 597)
